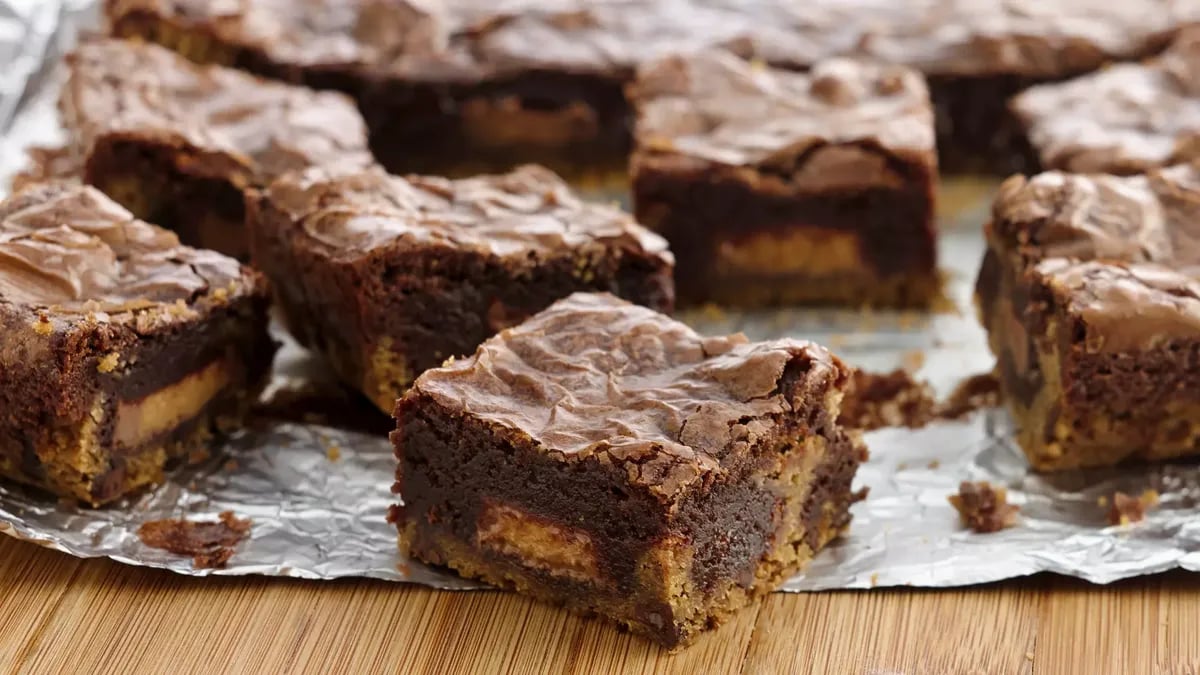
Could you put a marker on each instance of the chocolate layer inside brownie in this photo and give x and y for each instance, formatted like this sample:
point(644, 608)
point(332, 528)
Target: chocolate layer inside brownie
point(675, 477)
point(575, 124)
point(152, 182)
point(751, 242)
point(1111, 393)
point(179, 386)
point(976, 132)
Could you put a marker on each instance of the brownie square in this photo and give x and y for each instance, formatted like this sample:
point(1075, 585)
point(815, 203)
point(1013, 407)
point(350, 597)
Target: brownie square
point(176, 143)
point(389, 276)
point(778, 187)
point(120, 350)
point(605, 457)
point(1125, 119)
point(1088, 296)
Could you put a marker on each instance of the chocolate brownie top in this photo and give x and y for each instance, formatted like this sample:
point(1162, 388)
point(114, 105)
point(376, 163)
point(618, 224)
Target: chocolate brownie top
point(1148, 218)
point(1125, 119)
point(716, 107)
point(1120, 254)
point(467, 39)
point(1125, 306)
point(223, 122)
point(68, 251)
point(520, 216)
point(594, 376)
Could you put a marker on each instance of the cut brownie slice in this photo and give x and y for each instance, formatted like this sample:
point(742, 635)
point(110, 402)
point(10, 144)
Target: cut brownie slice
point(780, 187)
point(176, 143)
point(389, 276)
point(120, 349)
point(605, 457)
point(1088, 297)
point(1123, 120)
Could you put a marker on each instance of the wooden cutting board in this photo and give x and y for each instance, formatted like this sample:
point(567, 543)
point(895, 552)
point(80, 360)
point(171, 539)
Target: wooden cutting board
point(59, 614)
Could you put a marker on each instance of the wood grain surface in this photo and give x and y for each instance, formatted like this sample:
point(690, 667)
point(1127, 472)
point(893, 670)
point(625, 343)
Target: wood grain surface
point(63, 615)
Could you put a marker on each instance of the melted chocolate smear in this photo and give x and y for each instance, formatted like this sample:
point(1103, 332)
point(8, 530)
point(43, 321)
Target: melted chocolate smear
point(210, 544)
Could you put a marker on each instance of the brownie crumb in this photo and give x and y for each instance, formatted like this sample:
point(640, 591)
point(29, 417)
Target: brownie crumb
point(983, 507)
point(974, 393)
point(895, 399)
point(210, 544)
point(1126, 509)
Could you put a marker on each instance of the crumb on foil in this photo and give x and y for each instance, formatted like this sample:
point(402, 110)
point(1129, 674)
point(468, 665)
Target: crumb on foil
point(1125, 509)
point(211, 544)
point(983, 507)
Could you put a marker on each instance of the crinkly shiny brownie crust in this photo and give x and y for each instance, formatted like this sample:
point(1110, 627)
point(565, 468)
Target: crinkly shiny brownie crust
point(606, 457)
point(1125, 119)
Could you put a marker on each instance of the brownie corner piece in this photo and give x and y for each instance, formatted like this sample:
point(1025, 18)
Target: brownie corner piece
point(389, 276)
point(778, 187)
point(1089, 298)
point(605, 457)
point(121, 351)
point(177, 143)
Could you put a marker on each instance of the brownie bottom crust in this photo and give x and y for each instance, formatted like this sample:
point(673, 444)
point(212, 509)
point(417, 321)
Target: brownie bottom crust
point(75, 465)
point(574, 536)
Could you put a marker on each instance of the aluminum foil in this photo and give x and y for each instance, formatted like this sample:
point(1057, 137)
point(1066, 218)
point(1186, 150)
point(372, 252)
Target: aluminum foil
point(318, 495)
